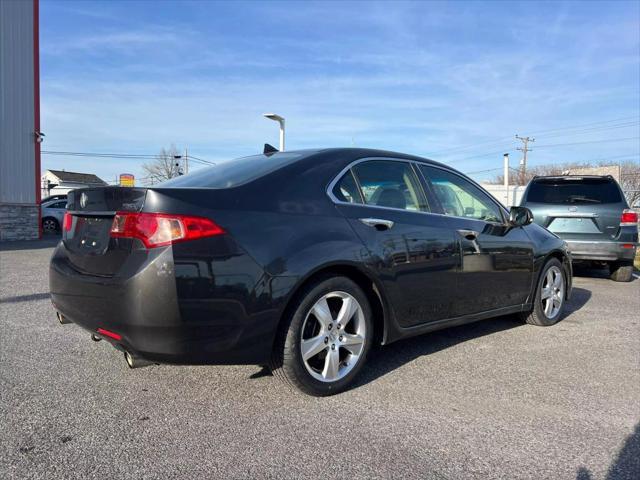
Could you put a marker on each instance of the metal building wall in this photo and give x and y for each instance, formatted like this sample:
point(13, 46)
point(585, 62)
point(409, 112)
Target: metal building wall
point(19, 120)
point(17, 113)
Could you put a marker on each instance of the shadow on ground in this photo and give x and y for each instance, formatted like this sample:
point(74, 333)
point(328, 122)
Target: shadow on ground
point(25, 298)
point(391, 357)
point(47, 241)
point(593, 271)
point(626, 466)
point(579, 298)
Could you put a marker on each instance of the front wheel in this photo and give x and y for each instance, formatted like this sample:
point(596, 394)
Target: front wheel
point(549, 299)
point(326, 338)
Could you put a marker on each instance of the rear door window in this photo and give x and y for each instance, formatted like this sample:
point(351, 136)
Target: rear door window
point(346, 189)
point(390, 184)
point(573, 191)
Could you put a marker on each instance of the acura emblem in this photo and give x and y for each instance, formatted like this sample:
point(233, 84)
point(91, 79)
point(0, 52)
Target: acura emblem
point(571, 209)
point(83, 200)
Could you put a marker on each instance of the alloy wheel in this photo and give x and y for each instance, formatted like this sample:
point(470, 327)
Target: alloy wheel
point(552, 294)
point(49, 225)
point(333, 336)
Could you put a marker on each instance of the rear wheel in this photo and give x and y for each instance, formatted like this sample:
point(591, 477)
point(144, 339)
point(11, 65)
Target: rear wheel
point(326, 338)
point(549, 299)
point(50, 225)
point(621, 272)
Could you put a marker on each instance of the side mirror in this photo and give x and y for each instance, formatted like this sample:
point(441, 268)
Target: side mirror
point(520, 216)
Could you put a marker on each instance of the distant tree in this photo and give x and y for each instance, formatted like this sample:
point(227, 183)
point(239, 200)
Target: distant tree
point(629, 175)
point(164, 166)
point(630, 181)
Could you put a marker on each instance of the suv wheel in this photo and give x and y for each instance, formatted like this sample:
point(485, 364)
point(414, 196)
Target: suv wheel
point(549, 300)
point(621, 272)
point(324, 342)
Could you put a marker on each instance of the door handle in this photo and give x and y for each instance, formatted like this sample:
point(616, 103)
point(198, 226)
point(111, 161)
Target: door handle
point(470, 235)
point(379, 224)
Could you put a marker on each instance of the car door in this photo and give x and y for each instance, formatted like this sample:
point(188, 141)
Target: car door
point(496, 259)
point(413, 253)
point(57, 210)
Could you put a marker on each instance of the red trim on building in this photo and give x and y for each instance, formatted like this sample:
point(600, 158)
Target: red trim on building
point(36, 104)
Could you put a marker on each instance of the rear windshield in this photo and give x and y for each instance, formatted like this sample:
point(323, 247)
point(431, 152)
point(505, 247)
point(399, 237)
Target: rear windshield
point(234, 172)
point(574, 190)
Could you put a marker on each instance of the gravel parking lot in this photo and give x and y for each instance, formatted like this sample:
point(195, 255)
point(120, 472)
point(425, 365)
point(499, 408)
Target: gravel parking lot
point(495, 399)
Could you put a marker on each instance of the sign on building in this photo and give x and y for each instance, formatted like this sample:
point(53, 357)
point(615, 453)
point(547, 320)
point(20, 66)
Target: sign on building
point(127, 180)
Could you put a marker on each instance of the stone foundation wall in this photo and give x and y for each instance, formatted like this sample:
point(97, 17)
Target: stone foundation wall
point(19, 222)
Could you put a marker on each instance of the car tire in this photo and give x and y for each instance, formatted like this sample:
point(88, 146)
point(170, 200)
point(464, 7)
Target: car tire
point(551, 290)
point(50, 225)
point(339, 357)
point(620, 272)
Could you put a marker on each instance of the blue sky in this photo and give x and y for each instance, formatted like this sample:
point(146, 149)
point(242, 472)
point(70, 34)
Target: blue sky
point(425, 78)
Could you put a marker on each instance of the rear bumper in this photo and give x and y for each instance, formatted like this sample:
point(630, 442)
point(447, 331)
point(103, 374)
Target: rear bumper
point(602, 251)
point(145, 310)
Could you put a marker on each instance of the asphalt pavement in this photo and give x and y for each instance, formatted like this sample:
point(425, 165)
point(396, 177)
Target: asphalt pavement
point(495, 399)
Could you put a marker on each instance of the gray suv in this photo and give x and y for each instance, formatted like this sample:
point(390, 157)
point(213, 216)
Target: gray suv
point(591, 214)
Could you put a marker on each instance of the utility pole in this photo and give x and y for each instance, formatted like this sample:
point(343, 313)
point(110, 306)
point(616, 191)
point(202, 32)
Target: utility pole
point(523, 163)
point(186, 161)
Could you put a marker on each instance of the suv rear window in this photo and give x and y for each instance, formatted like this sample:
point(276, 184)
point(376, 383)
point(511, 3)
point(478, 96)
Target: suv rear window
point(574, 190)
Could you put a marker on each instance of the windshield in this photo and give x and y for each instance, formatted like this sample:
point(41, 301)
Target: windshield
point(235, 172)
point(574, 190)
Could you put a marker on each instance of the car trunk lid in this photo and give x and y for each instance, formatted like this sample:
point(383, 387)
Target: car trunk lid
point(87, 237)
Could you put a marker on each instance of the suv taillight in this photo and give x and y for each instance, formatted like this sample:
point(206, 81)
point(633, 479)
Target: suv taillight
point(628, 218)
point(159, 229)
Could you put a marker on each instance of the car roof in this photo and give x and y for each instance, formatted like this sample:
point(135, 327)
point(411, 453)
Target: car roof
point(568, 177)
point(355, 153)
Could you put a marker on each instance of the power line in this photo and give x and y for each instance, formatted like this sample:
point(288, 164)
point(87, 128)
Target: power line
point(491, 170)
point(542, 132)
point(588, 142)
point(580, 129)
point(138, 156)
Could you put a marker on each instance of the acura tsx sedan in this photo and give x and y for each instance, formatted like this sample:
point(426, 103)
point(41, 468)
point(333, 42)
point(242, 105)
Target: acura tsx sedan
point(300, 261)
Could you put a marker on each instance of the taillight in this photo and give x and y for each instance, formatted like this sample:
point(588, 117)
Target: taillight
point(67, 222)
point(159, 229)
point(628, 218)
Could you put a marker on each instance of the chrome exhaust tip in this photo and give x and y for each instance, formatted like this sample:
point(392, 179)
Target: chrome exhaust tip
point(95, 337)
point(136, 362)
point(62, 319)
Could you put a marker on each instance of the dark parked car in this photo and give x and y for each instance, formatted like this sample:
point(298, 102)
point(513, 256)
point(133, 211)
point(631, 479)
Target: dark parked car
point(299, 260)
point(591, 214)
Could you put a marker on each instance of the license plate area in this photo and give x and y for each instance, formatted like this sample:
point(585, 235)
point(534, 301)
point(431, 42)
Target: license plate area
point(583, 225)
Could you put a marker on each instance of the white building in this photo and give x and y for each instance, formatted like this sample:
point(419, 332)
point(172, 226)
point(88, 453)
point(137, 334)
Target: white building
point(56, 182)
point(500, 193)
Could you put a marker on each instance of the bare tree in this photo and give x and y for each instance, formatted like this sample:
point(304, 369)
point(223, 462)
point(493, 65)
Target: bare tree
point(629, 175)
point(164, 166)
point(630, 181)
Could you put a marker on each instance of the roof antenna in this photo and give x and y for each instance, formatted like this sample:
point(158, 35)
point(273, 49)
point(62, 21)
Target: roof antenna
point(269, 149)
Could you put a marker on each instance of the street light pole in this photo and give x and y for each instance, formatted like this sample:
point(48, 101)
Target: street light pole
point(280, 120)
point(506, 179)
